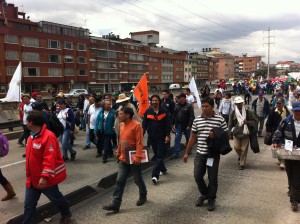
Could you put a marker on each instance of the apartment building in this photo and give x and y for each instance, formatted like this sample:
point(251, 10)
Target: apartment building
point(248, 64)
point(54, 56)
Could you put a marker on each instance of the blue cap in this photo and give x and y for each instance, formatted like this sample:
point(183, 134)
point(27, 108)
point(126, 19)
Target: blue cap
point(296, 106)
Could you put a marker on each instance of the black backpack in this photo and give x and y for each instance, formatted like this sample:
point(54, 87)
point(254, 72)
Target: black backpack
point(55, 125)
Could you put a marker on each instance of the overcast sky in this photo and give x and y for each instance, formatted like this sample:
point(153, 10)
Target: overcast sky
point(235, 26)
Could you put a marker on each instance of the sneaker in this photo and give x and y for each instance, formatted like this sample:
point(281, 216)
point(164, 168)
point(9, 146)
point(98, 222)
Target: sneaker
point(211, 205)
point(112, 207)
point(66, 159)
point(163, 173)
point(154, 180)
point(142, 200)
point(200, 200)
point(73, 155)
point(86, 147)
point(281, 165)
point(294, 206)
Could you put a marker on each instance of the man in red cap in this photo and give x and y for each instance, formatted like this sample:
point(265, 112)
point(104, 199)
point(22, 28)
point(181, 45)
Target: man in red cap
point(33, 97)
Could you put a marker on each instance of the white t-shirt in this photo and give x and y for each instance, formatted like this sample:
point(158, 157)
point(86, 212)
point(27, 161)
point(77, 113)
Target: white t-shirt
point(93, 113)
point(26, 109)
point(62, 116)
point(190, 99)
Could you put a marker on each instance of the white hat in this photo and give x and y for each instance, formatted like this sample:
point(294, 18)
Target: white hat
point(238, 99)
point(122, 97)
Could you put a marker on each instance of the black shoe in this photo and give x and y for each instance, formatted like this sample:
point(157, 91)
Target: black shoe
point(66, 219)
point(200, 200)
point(104, 160)
point(111, 207)
point(211, 205)
point(294, 206)
point(241, 167)
point(21, 144)
point(142, 200)
point(73, 155)
point(66, 159)
point(174, 157)
point(24, 155)
point(98, 155)
point(86, 147)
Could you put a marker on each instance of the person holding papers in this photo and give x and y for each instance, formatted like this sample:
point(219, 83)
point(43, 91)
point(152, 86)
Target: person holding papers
point(287, 131)
point(131, 138)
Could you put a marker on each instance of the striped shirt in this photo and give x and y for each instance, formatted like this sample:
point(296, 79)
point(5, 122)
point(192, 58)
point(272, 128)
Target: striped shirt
point(202, 126)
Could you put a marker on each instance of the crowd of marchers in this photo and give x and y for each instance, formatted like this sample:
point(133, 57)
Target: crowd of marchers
point(111, 121)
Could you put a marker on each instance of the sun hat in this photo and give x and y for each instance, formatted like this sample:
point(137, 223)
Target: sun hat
point(122, 97)
point(238, 99)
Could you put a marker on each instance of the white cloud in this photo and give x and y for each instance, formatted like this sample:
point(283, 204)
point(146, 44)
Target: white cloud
point(233, 25)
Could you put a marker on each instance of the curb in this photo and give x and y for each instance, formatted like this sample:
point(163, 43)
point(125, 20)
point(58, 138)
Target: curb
point(47, 210)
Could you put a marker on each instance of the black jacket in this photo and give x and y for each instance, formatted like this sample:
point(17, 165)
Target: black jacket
point(274, 120)
point(157, 125)
point(184, 115)
point(219, 144)
point(168, 105)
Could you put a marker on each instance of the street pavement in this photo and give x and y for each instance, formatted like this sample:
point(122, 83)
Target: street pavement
point(257, 194)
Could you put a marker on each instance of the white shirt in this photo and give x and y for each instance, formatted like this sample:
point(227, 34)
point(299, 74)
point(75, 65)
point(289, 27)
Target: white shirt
point(190, 99)
point(26, 109)
point(93, 113)
point(85, 104)
point(62, 116)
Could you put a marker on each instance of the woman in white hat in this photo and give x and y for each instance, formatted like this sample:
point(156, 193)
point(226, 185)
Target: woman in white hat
point(240, 121)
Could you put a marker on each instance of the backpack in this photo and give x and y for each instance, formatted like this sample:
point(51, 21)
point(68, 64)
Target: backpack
point(55, 125)
point(4, 145)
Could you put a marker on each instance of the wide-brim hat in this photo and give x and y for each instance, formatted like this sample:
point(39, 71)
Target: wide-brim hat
point(122, 97)
point(238, 99)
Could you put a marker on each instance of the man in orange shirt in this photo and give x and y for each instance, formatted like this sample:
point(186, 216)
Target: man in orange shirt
point(131, 138)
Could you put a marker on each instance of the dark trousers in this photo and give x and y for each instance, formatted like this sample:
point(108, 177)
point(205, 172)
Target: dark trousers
point(107, 145)
point(200, 168)
point(247, 98)
point(32, 195)
point(123, 172)
point(292, 169)
point(3, 180)
point(96, 141)
point(25, 134)
point(217, 101)
point(114, 140)
point(160, 147)
point(226, 117)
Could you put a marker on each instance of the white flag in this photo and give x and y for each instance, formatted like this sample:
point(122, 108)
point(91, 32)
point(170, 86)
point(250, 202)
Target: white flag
point(14, 91)
point(194, 89)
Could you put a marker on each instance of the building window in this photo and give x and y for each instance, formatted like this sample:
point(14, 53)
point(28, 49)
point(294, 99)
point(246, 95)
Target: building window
point(3, 89)
point(81, 47)
point(136, 57)
point(167, 61)
point(179, 76)
point(31, 57)
point(12, 55)
point(69, 59)
point(153, 59)
point(30, 71)
point(82, 72)
point(53, 44)
point(54, 72)
point(153, 76)
point(10, 70)
point(136, 67)
point(54, 58)
point(69, 72)
point(11, 39)
point(31, 42)
point(68, 45)
point(81, 60)
point(102, 76)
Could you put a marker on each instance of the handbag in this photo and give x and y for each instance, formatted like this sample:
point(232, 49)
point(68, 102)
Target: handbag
point(268, 139)
point(254, 142)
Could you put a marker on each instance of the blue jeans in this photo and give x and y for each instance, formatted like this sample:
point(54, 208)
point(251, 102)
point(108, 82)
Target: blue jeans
point(123, 172)
point(178, 137)
point(32, 195)
point(160, 147)
point(87, 132)
point(107, 139)
point(65, 143)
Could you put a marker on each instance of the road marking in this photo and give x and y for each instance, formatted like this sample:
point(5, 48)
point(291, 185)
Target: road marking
point(8, 165)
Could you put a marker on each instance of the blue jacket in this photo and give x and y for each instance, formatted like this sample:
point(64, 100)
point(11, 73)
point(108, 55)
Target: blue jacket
point(109, 122)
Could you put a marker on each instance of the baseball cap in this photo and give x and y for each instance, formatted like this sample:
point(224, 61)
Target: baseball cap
point(181, 95)
point(296, 106)
point(260, 94)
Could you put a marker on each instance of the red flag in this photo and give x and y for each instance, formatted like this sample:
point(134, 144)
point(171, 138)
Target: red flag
point(141, 94)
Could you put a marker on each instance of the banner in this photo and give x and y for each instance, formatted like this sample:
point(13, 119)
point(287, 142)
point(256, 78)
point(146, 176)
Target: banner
point(141, 94)
point(194, 89)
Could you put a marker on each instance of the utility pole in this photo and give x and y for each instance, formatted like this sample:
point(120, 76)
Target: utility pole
point(269, 44)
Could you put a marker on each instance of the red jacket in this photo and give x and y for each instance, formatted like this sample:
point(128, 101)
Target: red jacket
point(44, 159)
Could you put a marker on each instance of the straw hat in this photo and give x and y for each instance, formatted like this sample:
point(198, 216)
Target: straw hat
point(122, 97)
point(238, 99)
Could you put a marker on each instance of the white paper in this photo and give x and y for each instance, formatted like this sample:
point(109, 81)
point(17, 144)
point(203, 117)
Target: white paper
point(210, 162)
point(144, 159)
point(288, 145)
